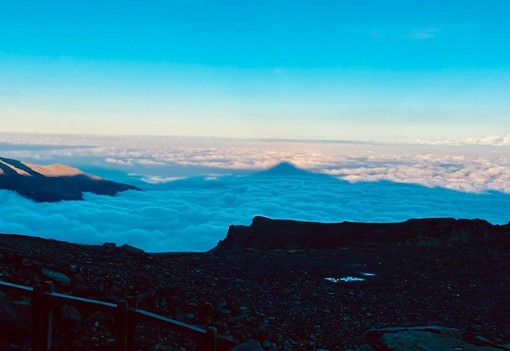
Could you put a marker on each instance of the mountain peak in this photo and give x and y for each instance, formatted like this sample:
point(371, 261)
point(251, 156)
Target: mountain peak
point(58, 170)
point(51, 183)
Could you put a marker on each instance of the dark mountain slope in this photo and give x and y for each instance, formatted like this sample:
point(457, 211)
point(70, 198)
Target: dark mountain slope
point(269, 234)
point(53, 183)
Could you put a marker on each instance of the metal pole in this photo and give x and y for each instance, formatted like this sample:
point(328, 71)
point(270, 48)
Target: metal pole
point(211, 340)
point(37, 312)
point(121, 325)
point(48, 317)
point(131, 326)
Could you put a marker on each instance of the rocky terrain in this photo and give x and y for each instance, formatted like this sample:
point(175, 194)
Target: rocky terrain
point(337, 299)
point(53, 183)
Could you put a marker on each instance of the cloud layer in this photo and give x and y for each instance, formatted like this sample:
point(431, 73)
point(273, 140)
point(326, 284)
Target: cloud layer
point(194, 214)
point(473, 165)
point(195, 188)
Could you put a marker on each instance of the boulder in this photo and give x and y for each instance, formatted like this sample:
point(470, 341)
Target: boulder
point(133, 249)
point(56, 276)
point(250, 345)
point(424, 338)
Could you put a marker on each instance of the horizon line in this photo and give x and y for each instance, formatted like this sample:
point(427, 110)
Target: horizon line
point(451, 142)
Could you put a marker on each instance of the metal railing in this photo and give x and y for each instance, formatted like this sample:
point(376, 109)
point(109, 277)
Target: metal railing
point(43, 298)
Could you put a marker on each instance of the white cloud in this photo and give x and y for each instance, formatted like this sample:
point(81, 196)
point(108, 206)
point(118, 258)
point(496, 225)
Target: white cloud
point(160, 180)
point(149, 162)
point(489, 140)
point(196, 188)
point(193, 214)
point(476, 164)
point(118, 162)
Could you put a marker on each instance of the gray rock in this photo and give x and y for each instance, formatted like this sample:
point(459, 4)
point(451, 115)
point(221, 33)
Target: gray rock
point(70, 314)
point(133, 249)
point(188, 317)
point(445, 331)
point(144, 297)
point(481, 341)
point(250, 345)
point(27, 262)
point(426, 341)
point(56, 276)
point(109, 245)
point(268, 345)
point(161, 347)
point(428, 338)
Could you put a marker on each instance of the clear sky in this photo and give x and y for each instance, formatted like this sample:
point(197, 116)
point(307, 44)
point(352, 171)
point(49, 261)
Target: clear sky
point(284, 69)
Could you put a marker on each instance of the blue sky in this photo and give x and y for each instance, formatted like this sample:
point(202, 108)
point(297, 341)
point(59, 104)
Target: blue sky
point(384, 70)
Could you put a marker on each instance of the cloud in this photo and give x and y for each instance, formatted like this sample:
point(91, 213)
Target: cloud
point(195, 188)
point(193, 214)
point(118, 162)
point(149, 162)
point(489, 140)
point(159, 180)
point(459, 165)
point(421, 34)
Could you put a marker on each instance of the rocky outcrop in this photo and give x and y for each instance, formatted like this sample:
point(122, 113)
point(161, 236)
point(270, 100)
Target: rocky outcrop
point(427, 338)
point(250, 345)
point(53, 183)
point(272, 234)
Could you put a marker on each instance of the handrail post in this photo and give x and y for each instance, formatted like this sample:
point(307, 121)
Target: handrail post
point(37, 313)
point(211, 340)
point(121, 325)
point(43, 298)
point(48, 317)
point(131, 326)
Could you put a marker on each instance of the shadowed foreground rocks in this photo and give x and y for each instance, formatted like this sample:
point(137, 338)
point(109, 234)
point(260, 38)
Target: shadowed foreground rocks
point(278, 299)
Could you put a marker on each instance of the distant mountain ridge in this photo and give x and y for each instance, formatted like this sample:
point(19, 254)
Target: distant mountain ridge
point(53, 183)
point(277, 234)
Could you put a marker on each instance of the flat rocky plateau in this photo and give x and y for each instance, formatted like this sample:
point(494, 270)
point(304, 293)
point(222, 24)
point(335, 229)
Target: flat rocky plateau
point(279, 298)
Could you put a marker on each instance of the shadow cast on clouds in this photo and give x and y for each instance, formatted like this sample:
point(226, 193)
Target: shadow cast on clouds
point(193, 214)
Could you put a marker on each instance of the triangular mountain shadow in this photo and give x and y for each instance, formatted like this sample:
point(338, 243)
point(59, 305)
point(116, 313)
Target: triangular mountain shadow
point(287, 169)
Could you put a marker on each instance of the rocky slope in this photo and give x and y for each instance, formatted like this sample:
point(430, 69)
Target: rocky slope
point(270, 234)
point(53, 183)
point(305, 300)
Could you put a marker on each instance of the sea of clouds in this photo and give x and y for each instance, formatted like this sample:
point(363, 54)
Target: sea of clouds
point(193, 189)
